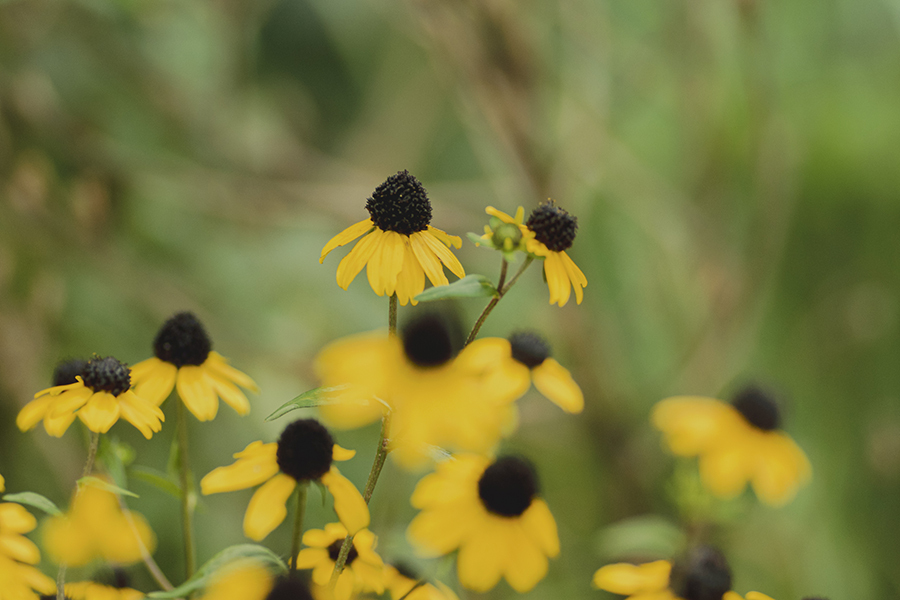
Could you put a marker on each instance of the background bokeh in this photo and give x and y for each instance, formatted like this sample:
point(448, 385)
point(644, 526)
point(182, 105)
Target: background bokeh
point(733, 165)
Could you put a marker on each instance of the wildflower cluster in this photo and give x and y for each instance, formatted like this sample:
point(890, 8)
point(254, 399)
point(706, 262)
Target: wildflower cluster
point(447, 402)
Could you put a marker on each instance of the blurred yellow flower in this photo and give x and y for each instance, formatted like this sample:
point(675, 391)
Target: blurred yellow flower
point(304, 452)
point(399, 247)
point(737, 443)
point(403, 586)
point(18, 579)
point(649, 581)
point(96, 527)
point(243, 580)
point(89, 590)
point(364, 571)
point(101, 394)
point(185, 360)
point(490, 511)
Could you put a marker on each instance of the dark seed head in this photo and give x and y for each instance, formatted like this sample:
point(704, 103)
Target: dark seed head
point(508, 486)
point(400, 204)
point(305, 449)
point(182, 341)
point(107, 375)
point(529, 348)
point(758, 407)
point(334, 550)
point(704, 576)
point(552, 226)
point(65, 372)
point(428, 341)
point(289, 587)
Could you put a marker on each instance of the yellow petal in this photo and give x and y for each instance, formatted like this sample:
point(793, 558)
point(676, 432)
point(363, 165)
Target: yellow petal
point(15, 519)
point(19, 548)
point(256, 464)
point(70, 400)
point(411, 280)
point(32, 413)
point(502, 215)
point(537, 521)
point(429, 261)
point(781, 468)
point(627, 579)
point(346, 236)
point(196, 391)
point(692, 424)
point(555, 382)
point(349, 505)
point(218, 365)
point(386, 263)
point(310, 557)
point(445, 255)
point(232, 396)
point(557, 279)
point(342, 454)
point(100, 412)
point(141, 413)
point(2, 484)
point(725, 470)
point(267, 508)
point(447, 239)
point(479, 564)
point(750, 596)
point(356, 259)
point(575, 276)
point(153, 379)
point(525, 563)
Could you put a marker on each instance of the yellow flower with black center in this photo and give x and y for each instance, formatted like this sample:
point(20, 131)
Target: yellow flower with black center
point(363, 572)
point(737, 443)
point(524, 359)
point(100, 395)
point(490, 511)
point(402, 583)
point(96, 527)
point(250, 580)
point(91, 590)
point(547, 234)
point(18, 578)
point(399, 247)
point(437, 398)
point(303, 453)
point(184, 359)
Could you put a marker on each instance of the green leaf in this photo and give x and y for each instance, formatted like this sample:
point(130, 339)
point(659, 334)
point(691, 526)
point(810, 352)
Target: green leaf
point(157, 479)
point(105, 485)
point(226, 556)
point(480, 241)
point(35, 500)
point(314, 397)
point(646, 535)
point(470, 286)
point(116, 456)
point(323, 491)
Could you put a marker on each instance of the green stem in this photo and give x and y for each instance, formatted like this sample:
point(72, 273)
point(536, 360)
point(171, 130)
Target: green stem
point(299, 513)
point(502, 288)
point(184, 475)
point(419, 584)
point(392, 315)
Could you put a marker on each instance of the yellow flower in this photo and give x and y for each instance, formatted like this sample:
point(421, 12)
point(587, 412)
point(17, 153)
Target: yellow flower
point(400, 584)
point(304, 452)
point(649, 581)
point(243, 580)
point(101, 394)
point(97, 527)
point(399, 247)
point(364, 571)
point(524, 359)
point(18, 579)
point(185, 360)
point(89, 590)
point(548, 233)
point(490, 511)
point(736, 443)
point(436, 399)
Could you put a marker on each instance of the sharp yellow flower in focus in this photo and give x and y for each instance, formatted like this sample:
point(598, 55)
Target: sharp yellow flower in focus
point(304, 452)
point(399, 247)
point(96, 528)
point(19, 580)
point(736, 443)
point(491, 512)
point(89, 590)
point(436, 399)
point(404, 585)
point(548, 233)
point(101, 394)
point(186, 361)
point(364, 571)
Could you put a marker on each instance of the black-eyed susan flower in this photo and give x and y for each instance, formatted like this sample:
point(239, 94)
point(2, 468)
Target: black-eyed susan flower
point(403, 584)
point(96, 527)
point(399, 247)
point(737, 443)
point(524, 359)
point(186, 361)
point(437, 398)
point(303, 453)
point(19, 580)
point(364, 571)
point(547, 234)
point(251, 580)
point(490, 511)
point(101, 394)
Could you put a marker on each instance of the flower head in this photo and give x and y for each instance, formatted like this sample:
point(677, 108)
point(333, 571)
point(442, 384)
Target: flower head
point(399, 247)
point(18, 579)
point(100, 395)
point(184, 359)
point(303, 453)
point(96, 527)
point(547, 234)
point(491, 511)
point(118, 589)
point(737, 443)
point(403, 584)
point(364, 570)
point(250, 580)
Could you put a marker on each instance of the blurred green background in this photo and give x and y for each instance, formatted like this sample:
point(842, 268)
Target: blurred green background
point(734, 167)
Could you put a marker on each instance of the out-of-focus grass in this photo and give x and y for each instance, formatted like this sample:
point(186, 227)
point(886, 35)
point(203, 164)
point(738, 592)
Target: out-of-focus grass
point(733, 166)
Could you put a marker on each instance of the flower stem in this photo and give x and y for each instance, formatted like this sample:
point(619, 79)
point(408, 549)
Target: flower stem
point(152, 567)
point(419, 584)
point(299, 513)
point(184, 473)
point(380, 456)
point(502, 288)
point(392, 315)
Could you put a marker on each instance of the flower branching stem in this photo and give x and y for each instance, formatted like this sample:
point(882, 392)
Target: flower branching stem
point(299, 513)
point(502, 288)
point(187, 491)
point(419, 584)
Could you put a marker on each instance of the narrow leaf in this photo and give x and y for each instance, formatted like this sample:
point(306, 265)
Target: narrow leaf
point(314, 397)
point(35, 500)
point(157, 479)
point(470, 286)
point(105, 485)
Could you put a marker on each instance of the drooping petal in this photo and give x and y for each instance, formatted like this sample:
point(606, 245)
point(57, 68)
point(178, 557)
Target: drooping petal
point(32, 413)
point(387, 263)
point(538, 522)
point(429, 261)
point(627, 579)
point(346, 236)
point(526, 564)
point(726, 470)
point(557, 279)
point(218, 365)
point(444, 254)
point(479, 564)
point(267, 508)
point(342, 454)
point(70, 401)
point(100, 412)
point(196, 391)
point(15, 518)
point(349, 505)
point(444, 237)
point(256, 463)
point(781, 468)
point(19, 548)
point(575, 276)
point(411, 280)
point(147, 417)
point(555, 382)
point(692, 424)
point(153, 379)
point(232, 396)
point(356, 259)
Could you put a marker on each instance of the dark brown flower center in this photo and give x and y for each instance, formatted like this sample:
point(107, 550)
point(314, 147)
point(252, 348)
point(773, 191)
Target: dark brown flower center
point(428, 341)
point(290, 587)
point(508, 486)
point(107, 375)
point(758, 407)
point(400, 204)
point(305, 450)
point(334, 550)
point(552, 226)
point(65, 372)
point(182, 340)
point(529, 348)
point(705, 575)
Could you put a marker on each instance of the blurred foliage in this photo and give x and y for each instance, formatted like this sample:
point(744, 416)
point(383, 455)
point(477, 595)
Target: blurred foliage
point(733, 164)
